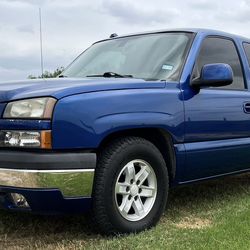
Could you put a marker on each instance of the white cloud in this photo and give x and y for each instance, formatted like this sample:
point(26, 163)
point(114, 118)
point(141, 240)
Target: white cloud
point(130, 12)
point(71, 26)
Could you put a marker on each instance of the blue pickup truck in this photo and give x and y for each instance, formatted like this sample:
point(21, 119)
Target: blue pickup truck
point(130, 117)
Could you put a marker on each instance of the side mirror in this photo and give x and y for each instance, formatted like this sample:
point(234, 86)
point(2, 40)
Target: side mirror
point(214, 75)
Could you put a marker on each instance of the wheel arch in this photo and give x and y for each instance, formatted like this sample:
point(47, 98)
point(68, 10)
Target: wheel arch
point(161, 138)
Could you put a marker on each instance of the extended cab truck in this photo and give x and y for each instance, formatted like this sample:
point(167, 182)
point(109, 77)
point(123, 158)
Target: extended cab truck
point(129, 118)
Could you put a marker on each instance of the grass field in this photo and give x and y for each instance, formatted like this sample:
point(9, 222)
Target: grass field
point(211, 215)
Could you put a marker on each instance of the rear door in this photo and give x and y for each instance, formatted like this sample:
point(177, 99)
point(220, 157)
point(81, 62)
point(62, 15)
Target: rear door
point(217, 120)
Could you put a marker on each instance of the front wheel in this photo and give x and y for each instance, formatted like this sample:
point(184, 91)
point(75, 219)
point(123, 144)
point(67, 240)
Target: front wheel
point(131, 186)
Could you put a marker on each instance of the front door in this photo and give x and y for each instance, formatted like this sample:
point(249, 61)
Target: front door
point(217, 120)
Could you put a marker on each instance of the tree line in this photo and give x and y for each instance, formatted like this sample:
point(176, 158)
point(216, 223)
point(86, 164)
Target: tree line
point(48, 74)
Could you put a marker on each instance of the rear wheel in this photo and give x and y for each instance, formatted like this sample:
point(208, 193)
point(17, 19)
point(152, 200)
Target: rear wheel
point(131, 186)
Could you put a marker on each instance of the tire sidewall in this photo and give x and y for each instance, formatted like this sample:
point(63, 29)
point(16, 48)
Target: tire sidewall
point(150, 154)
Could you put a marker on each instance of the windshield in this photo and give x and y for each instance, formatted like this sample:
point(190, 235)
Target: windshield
point(151, 57)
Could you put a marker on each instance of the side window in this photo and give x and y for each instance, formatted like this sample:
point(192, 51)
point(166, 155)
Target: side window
point(220, 50)
point(247, 51)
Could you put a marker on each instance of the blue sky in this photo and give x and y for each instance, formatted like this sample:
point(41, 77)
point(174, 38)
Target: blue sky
point(69, 27)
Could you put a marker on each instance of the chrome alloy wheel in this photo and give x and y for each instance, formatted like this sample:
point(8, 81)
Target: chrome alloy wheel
point(135, 190)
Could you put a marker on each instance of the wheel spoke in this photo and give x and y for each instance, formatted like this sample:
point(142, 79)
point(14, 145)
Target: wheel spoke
point(142, 175)
point(120, 188)
point(147, 191)
point(126, 205)
point(138, 207)
point(130, 172)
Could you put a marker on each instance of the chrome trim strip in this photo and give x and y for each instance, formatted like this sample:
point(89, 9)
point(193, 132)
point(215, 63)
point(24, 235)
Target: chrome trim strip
point(48, 171)
point(72, 183)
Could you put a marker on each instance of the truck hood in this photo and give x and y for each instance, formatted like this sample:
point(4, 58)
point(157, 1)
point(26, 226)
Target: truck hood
point(61, 87)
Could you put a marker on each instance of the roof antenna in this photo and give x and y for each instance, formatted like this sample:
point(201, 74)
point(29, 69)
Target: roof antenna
point(41, 40)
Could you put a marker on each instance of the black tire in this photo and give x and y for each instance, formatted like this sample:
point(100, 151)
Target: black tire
point(111, 161)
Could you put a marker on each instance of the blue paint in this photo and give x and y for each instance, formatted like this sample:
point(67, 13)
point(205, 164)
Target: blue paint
point(15, 124)
point(61, 87)
point(214, 158)
point(91, 117)
point(2, 107)
point(49, 201)
point(218, 71)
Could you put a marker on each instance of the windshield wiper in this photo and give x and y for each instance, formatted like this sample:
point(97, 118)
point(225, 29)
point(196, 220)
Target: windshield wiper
point(62, 76)
point(111, 74)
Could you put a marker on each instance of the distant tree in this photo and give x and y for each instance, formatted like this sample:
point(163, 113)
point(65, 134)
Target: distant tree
point(48, 74)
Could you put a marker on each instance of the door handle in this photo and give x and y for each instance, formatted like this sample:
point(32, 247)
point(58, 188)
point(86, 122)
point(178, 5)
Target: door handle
point(246, 107)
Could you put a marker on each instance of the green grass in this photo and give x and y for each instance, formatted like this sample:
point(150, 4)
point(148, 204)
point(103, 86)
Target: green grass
point(211, 215)
point(72, 185)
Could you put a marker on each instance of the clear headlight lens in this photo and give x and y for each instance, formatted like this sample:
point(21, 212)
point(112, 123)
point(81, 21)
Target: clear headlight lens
point(26, 139)
point(41, 108)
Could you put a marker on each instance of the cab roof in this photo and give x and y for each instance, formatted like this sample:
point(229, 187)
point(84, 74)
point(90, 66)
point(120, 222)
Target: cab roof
point(198, 31)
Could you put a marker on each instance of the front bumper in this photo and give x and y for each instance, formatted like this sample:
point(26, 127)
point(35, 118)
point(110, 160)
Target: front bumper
point(49, 182)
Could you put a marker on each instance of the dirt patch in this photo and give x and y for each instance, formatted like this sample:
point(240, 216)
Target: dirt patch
point(193, 223)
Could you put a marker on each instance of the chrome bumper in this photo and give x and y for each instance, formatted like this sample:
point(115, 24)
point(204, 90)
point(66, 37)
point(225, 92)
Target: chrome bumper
point(71, 173)
point(71, 183)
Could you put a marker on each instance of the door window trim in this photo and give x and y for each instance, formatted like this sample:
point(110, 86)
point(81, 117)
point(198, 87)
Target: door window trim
point(245, 53)
point(240, 59)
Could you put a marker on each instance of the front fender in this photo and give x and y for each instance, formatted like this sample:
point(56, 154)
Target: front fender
point(117, 122)
point(83, 121)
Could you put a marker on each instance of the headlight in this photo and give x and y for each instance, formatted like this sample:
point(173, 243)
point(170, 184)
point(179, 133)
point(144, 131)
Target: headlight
point(26, 139)
point(38, 108)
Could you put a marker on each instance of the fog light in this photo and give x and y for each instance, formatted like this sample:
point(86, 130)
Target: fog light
point(19, 200)
point(28, 139)
point(22, 139)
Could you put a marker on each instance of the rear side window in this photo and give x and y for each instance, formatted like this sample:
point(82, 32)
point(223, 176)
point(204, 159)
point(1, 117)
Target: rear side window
point(221, 50)
point(247, 51)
